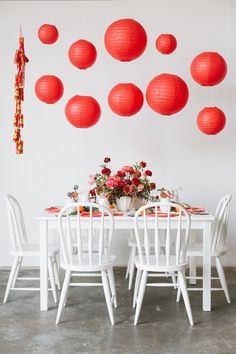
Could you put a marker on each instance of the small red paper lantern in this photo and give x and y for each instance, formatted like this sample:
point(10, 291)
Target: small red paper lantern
point(82, 54)
point(125, 99)
point(82, 111)
point(48, 34)
point(125, 39)
point(166, 43)
point(49, 89)
point(211, 120)
point(208, 68)
point(167, 94)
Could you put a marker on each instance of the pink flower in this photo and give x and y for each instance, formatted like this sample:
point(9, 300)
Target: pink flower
point(140, 188)
point(106, 171)
point(92, 180)
point(142, 164)
point(112, 182)
point(148, 173)
point(127, 169)
point(137, 173)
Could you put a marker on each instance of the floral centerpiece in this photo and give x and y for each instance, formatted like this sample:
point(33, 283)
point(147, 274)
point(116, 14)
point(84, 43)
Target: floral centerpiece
point(129, 181)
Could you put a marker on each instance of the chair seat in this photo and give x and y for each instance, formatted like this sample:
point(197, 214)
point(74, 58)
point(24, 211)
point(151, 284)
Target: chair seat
point(162, 267)
point(195, 250)
point(34, 250)
point(86, 267)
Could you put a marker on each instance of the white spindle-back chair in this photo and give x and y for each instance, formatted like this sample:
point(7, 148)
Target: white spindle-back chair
point(150, 257)
point(85, 247)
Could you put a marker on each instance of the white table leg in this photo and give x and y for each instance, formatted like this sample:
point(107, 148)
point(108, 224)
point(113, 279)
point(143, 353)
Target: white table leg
point(206, 304)
point(43, 265)
point(192, 262)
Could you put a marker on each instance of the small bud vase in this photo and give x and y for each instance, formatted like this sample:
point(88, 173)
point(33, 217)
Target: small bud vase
point(164, 208)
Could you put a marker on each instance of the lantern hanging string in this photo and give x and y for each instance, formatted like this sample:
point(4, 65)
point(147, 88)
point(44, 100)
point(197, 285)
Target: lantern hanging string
point(20, 61)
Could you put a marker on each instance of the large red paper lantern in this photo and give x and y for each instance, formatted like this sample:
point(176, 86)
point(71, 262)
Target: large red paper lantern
point(208, 68)
point(82, 111)
point(48, 34)
point(211, 120)
point(125, 39)
point(166, 43)
point(82, 54)
point(167, 94)
point(125, 99)
point(49, 89)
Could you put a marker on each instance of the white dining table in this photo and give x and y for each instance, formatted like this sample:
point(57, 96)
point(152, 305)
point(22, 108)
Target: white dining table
point(198, 222)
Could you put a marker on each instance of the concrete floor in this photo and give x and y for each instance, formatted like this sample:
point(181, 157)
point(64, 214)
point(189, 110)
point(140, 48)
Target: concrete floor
point(85, 326)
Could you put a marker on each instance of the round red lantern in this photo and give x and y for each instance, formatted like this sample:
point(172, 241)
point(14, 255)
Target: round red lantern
point(49, 89)
point(125, 99)
point(166, 43)
point(125, 39)
point(211, 120)
point(82, 54)
point(48, 34)
point(208, 68)
point(167, 94)
point(82, 111)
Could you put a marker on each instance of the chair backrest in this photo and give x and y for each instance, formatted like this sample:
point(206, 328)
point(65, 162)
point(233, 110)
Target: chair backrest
point(221, 223)
point(16, 223)
point(176, 235)
point(92, 247)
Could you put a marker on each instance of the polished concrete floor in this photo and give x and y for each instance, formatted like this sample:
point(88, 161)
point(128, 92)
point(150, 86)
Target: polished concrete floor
point(85, 326)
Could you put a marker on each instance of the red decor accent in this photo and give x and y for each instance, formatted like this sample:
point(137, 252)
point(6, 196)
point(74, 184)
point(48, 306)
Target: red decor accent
point(82, 54)
point(49, 89)
point(125, 39)
point(167, 94)
point(125, 99)
point(82, 111)
point(211, 120)
point(208, 68)
point(48, 34)
point(166, 43)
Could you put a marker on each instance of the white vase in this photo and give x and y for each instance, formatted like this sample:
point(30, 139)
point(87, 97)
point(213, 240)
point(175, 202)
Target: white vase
point(164, 207)
point(124, 204)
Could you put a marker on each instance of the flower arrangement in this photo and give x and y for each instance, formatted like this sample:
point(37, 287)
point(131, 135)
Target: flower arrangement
point(128, 181)
point(74, 195)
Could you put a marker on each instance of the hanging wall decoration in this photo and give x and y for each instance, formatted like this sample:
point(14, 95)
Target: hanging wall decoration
point(82, 54)
point(20, 61)
point(211, 120)
point(208, 68)
point(49, 89)
point(125, 39)
point(82, 111)
point(167, 94)
point(48, 34)
point(125, 99)
point(166, 43)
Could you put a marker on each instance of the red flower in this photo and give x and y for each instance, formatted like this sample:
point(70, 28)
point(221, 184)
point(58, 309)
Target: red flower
point(148, 173)
point(136, 181)
point(121, 183)
point(127, 169)
point(137, 173)
point(92, 192)
point(126, 190)
point(120, 173)
point(142, 164)
point(107, 159)
point(152, 185)
point(106, 171)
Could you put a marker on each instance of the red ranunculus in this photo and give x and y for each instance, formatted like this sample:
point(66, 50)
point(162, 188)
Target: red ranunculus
point(152, 185)
point(120, 173)
point(127, 169)
point(136, 181)
point(137, 173)
point(148, 173)
point(107, 159)
point(142, 164)
point(106, 171)
point(121, 183)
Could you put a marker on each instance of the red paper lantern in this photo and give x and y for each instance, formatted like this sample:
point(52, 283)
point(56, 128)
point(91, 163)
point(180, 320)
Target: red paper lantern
point(82, 54)
point(49, 89)
point(48, 34)
point(211, 120)
point(125, 99)
point(208, 68)
point(82, 111)
point(167, 94)
point(166, 43)
point(125, 39)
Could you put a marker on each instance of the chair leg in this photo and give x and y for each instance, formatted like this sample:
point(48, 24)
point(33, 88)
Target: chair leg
point(132, 267)
point(140, 296)
point(11, 278)
point(128, 266)
point(136, 287)
point(182, 285)
point(173, 277)
point(52, 279)
point(17, 271)
point(223, 282)
point(112, 286)
point(192, 270)
point(178, 292)
point(107, 295)
point(63, 295)
point(56, 273)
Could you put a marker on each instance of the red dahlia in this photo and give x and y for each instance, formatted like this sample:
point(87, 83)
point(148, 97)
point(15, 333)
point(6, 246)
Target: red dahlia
point(106, 171)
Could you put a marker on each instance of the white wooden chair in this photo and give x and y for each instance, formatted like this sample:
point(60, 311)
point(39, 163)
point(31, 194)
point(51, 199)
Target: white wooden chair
point(218, 248)
point(92, 256)
point(150, 263)
point(21, 247)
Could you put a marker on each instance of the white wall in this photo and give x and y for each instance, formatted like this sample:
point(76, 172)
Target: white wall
point(57, 155)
